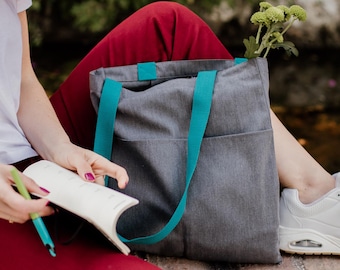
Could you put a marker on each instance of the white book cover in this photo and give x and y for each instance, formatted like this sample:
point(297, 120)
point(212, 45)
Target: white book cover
point(99, 205)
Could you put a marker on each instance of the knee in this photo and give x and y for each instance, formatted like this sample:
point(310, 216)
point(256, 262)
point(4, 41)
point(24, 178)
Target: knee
point(160, 6)
point(165, 9)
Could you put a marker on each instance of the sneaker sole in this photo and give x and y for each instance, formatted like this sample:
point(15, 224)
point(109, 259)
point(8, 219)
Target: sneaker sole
point(308, 242)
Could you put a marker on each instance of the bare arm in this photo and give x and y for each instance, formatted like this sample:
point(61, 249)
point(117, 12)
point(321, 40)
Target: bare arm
point(44, 131)
point(36, 115)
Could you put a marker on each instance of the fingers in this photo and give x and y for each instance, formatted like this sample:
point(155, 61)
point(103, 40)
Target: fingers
point(85, 170)
point(100, 180)
point(15, 207)
point(93, 167)
point(32, 206)
point(117, 172)
point(32, 187)
point(39, 206)
point(89, 165)
point(19, 217)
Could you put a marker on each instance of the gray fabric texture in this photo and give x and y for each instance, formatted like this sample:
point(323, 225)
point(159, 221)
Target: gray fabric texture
point(232, 208)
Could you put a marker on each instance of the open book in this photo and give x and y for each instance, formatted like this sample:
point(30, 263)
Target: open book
point(99, 205)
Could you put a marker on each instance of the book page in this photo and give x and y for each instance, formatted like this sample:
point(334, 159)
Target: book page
point(98, 204)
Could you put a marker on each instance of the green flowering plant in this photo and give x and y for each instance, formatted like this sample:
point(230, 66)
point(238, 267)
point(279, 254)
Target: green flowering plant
point(273, 22)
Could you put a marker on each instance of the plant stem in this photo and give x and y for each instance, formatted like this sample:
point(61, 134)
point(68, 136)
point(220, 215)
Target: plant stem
point(288, 26)
point(269, 46)
point(258, 35)
point(264, 41)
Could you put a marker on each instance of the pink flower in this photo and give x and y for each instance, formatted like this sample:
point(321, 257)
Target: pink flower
point(332, 83)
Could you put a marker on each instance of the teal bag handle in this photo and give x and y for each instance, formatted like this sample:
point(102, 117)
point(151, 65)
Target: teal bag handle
point(201, 106)
point(107, 111)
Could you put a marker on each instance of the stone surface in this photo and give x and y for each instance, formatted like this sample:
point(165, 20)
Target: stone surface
point(290, 262)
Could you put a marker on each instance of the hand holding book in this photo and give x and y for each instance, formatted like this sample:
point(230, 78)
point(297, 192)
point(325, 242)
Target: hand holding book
point(99, 205)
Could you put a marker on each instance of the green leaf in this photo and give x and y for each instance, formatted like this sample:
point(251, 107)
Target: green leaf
point(251, 47)
point(288, 46)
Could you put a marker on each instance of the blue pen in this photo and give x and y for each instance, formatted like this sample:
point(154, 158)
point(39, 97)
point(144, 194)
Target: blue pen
point(37, 220)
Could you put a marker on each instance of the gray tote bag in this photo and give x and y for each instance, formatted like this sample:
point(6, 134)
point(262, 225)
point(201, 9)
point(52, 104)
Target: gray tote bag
point(230, 201)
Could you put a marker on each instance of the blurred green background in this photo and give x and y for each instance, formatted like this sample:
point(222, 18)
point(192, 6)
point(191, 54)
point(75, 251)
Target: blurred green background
point(62, 31)
point(304, 91)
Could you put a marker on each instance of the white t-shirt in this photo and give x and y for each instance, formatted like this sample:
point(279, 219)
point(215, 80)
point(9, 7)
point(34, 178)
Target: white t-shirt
point(14, 146)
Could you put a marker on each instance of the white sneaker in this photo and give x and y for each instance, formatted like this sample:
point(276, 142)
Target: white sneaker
point(310, 228)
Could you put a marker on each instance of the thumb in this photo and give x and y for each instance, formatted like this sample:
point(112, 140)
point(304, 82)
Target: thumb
point(88, 175)
point(85, 171)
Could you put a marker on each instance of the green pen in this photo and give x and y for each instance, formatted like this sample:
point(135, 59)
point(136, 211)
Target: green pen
point(37, 220)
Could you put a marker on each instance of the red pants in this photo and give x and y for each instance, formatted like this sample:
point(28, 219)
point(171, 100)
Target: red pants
point(21, 248)
point(161, 31)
